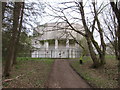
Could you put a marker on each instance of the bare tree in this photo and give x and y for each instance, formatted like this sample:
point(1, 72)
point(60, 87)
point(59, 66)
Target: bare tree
point(111, 32)
point(83, 44)
point(101, 50)
point(11, 49)
point(20, 17)
point(3, 8)
point(88, 32)
point(89, 36)
point(116, 10)
point(18, 34)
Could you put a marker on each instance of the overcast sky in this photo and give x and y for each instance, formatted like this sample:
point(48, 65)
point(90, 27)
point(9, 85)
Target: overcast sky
point(48, 19)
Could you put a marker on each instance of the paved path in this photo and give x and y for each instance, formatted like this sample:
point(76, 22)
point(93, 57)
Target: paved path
point(63, 76)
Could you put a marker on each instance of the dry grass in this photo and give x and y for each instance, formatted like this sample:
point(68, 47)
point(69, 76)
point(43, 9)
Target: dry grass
point(34, 74)
point(104, 77)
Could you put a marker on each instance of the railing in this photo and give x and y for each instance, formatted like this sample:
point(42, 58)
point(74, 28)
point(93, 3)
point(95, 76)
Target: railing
point(53, 53)
point(56, 53)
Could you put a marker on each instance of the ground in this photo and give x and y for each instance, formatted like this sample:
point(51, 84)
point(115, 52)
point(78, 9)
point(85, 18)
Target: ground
point(63, 76)
point(103, 77)
point(44, 74)
point(62, 73)
point(31, 73)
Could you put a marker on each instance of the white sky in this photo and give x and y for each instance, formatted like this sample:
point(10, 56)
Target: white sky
point(48, 19)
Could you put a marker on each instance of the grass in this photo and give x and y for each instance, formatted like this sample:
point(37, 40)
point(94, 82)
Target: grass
point(29, 58)
point(104, 77)
point(34, 73)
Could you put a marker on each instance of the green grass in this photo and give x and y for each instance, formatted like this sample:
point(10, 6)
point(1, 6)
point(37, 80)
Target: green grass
point(17, 66)
point(48, 61)
point(29, 58)
point(103, 77)
point(110, 57)
point(5, 84)
point(45, 60)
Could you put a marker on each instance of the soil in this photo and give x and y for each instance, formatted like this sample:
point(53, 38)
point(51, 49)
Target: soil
point(63, 76)
point(34, 74)
point(102, 77)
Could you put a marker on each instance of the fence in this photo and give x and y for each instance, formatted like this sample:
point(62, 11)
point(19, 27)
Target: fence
point(54, 53)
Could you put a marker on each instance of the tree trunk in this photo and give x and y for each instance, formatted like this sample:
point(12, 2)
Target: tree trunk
point(88, 37)
point(119, 41)
point(102, 59)
point(96, 63)
point(119, 54)
point(101, 53)
point(18, 36)
point(15, 57)
point(119, 74)
point(116, 50)
point(116, 10)
point(102, 50)
point(116, 43)
point(11, 49)
point(3, 8)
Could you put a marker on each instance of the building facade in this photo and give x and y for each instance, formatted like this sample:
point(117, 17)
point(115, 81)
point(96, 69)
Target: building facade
point(56, 40)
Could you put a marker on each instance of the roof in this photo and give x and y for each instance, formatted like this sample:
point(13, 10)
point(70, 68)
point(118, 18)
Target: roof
point(59, 30)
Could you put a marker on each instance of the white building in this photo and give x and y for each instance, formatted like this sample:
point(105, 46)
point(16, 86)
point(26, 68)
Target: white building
point(55, 40)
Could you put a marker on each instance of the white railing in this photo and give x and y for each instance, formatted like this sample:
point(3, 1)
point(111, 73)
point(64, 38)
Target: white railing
point(56, 53)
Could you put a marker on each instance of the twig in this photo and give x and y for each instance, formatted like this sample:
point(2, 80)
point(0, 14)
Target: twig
point(7, 80)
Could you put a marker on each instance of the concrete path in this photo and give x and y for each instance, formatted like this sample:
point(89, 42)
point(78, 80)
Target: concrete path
point(63, 76)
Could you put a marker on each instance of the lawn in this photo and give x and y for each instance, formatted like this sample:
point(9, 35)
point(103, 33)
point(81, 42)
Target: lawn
point(104, 77)
point(29, 73)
